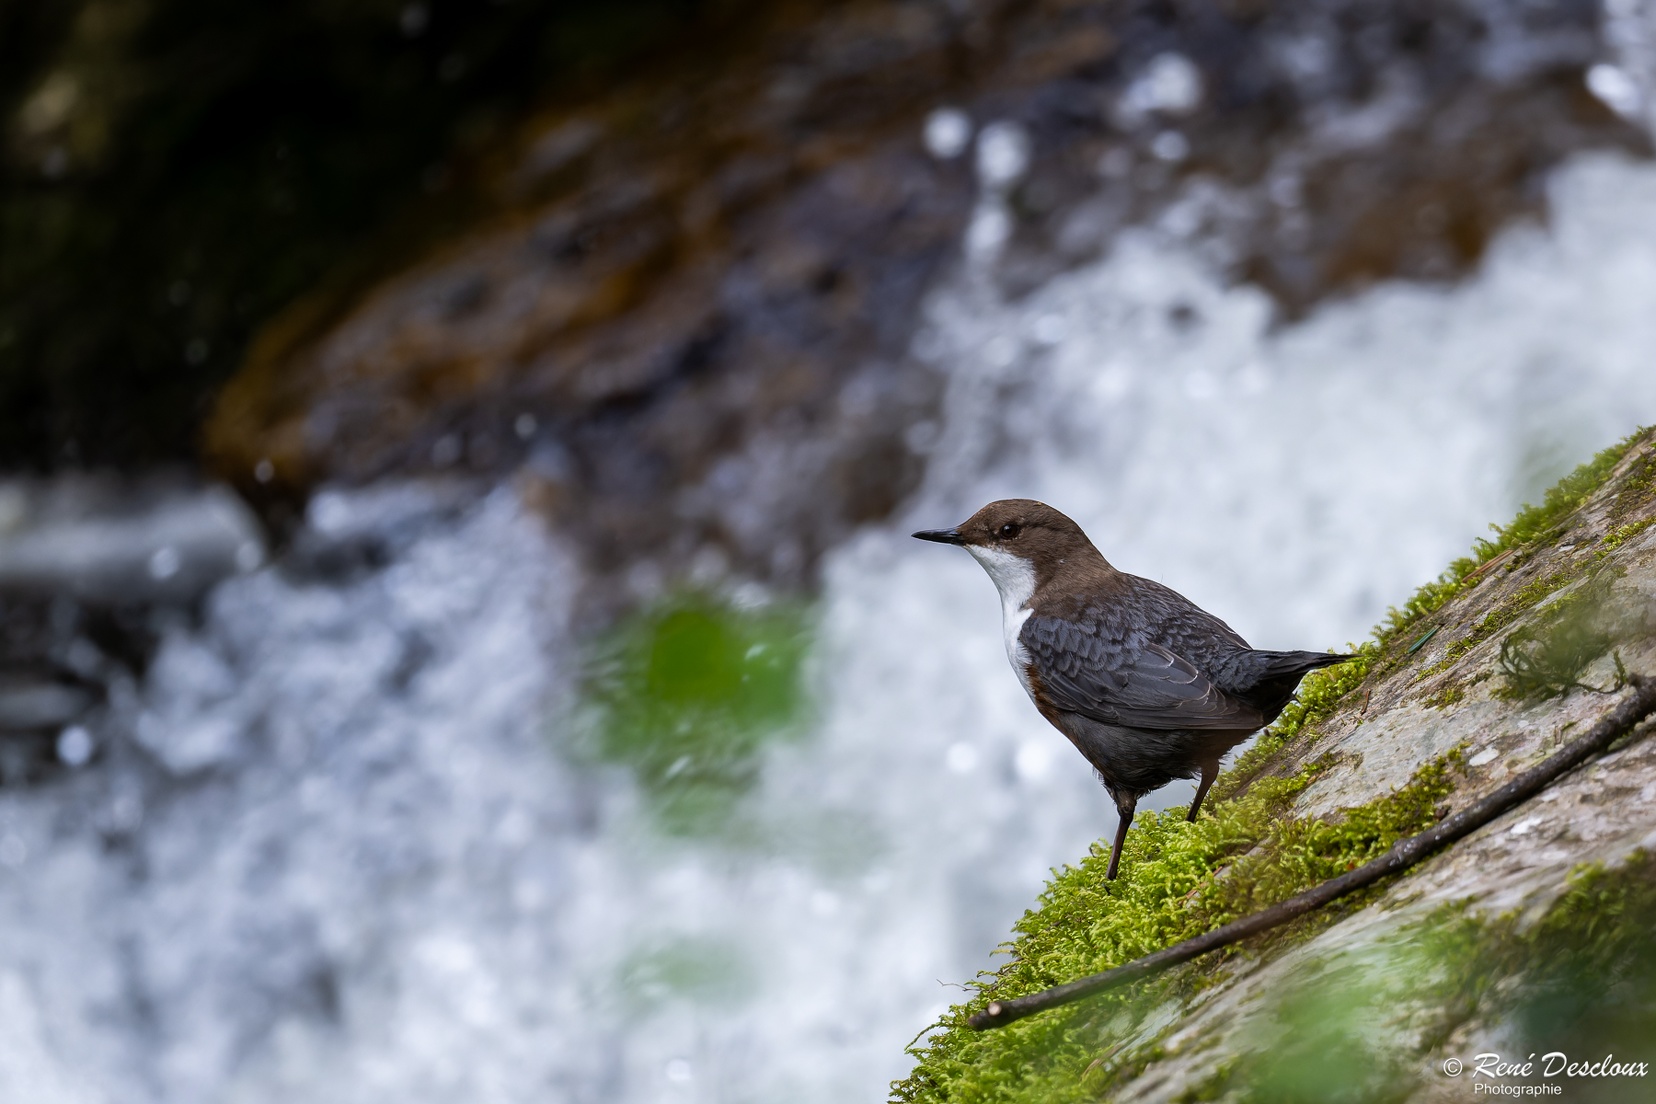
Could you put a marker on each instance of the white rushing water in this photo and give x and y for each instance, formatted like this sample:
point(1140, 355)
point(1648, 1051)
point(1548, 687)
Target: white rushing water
point(360, 868)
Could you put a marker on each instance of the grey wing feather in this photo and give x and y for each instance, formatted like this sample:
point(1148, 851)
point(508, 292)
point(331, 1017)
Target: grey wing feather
point(1144, 686)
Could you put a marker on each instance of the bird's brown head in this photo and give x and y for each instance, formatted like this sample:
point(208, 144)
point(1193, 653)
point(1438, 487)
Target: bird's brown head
point(1014, 536)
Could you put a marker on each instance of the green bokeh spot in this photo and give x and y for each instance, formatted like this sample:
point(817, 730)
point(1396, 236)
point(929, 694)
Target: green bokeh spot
point(688, 694)
point(703, 971)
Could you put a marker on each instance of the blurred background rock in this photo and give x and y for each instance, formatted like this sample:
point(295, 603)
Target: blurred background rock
point(659, 248)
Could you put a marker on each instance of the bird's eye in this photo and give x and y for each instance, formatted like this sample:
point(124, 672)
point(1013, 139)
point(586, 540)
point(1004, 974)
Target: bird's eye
point(1010, 530)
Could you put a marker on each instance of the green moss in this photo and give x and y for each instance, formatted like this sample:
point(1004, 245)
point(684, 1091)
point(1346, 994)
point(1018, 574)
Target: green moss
point(1534, 524)
point(688, 693)
point(1320, 695)
point(1352, 1028)
point(1638, 490)
point(1401, 635)
point(1452, 694)
point(1507, 613)
point(1359, 1027)
point(1181, 879)
point(1504, 615)
point(1545, 521)
point(1177, 880)
point(1298, 853)
point(1621, 534)
point(1589, 969)
point(1547, 659)
point(1548, 655)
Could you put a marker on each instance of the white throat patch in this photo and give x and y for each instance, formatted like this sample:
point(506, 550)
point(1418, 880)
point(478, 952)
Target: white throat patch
point(1014, 577)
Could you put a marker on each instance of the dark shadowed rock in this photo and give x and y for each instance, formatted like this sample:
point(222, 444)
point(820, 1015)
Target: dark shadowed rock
point(686, 315)
point(112, 542)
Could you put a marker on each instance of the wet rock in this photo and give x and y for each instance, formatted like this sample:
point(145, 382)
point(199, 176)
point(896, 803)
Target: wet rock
point(90, 568)
point(1457, 691)
point(38, 707)
point(40, 701)
point(108, 542)
point(687, 314)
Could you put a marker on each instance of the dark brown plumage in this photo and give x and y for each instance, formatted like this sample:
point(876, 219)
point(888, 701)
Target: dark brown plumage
point(1145, 684)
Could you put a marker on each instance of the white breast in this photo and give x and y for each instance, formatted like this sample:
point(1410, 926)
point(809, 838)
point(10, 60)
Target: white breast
point(1014, 577)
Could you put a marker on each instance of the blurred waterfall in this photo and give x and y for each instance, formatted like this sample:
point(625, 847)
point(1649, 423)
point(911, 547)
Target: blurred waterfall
point(344, 857)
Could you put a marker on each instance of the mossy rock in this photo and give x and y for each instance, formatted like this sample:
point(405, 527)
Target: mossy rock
point(1366, 999)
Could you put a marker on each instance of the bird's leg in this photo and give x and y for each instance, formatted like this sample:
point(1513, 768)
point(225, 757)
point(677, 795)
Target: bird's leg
point(1124, 807)
point(1210, 771)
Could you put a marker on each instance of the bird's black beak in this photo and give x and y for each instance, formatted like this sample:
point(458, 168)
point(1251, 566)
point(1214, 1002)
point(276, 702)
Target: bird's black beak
point(942, 536)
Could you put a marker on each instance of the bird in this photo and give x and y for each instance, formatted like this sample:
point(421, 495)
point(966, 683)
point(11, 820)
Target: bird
point(1147, 685)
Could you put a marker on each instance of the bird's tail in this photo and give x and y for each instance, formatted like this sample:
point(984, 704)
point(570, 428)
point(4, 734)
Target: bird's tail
point(1296, 664)
point(1279, 674)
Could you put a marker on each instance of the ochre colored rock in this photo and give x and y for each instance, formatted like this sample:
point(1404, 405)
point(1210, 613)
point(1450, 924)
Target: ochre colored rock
point(686, 305)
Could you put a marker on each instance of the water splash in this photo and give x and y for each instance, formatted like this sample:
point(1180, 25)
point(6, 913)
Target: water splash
point(351, 861)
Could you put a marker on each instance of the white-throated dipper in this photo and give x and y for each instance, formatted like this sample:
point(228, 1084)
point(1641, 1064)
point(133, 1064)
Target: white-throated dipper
point(1147, 685)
